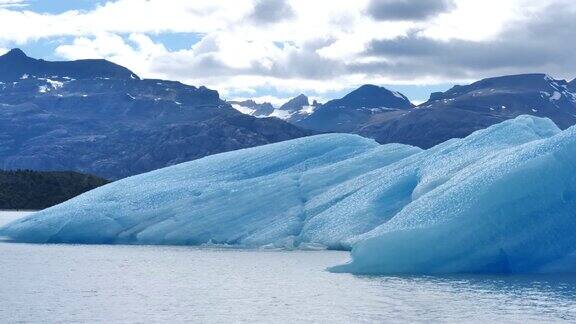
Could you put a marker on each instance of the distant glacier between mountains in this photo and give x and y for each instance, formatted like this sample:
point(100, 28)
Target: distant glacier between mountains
point(501, 200)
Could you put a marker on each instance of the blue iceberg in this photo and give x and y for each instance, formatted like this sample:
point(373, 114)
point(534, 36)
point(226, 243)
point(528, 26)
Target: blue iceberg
point(251, 198)
point(510, 212)
point(501, 200)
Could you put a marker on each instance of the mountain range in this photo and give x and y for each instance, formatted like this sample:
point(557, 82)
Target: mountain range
point(97, 117)
point(292, 111)
point(389, 117)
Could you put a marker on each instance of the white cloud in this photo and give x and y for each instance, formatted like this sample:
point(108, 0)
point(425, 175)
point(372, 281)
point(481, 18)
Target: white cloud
point(479, 20)
point(310, 19)
point(303, 46)
point(13, 3)
point(137, 52)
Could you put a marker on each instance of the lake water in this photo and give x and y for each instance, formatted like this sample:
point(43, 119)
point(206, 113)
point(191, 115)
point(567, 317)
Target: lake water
point(151, 284)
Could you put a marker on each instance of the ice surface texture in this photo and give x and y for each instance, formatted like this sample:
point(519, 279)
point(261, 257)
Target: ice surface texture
point(499, 200)
point(512, 211)
point(251, 197)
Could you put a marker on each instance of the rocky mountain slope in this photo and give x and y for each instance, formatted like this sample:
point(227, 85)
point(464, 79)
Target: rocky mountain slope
point(97, 117)
point(350, 113)
point(389, 117)
point(465, 109)
point(293, 110)
point(252, 108)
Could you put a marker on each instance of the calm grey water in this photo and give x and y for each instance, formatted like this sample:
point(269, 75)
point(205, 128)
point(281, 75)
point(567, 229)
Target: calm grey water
point(151, 284)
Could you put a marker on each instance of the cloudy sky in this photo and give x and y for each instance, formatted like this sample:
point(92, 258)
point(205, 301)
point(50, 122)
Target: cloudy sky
point(274, 49)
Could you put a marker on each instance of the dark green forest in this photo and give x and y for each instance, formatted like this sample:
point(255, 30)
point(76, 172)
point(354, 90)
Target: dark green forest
point(27, 189)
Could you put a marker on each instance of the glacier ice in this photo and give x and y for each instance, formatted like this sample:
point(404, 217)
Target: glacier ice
point(252, 197)
point(500, 200)
point(513, 212)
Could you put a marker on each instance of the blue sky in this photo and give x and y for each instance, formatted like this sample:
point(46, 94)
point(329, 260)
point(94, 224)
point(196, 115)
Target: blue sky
point(60, 6)
point(271, 50)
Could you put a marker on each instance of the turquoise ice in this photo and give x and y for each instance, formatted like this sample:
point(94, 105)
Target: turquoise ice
point(513, 211)
point(251, 198)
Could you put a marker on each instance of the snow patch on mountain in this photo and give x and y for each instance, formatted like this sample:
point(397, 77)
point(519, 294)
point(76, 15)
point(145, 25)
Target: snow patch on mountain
point(244, 110)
